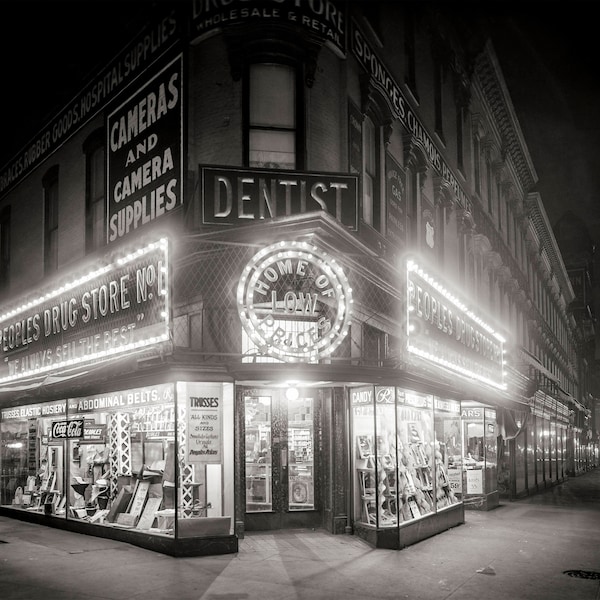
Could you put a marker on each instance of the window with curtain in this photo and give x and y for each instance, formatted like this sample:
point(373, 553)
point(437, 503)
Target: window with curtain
point(50, 184)
point(272, 117)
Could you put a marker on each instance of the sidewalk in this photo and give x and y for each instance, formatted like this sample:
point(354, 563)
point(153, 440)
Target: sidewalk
point(518, 551)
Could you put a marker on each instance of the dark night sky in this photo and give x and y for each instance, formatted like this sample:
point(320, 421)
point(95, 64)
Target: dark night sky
point(546, 49)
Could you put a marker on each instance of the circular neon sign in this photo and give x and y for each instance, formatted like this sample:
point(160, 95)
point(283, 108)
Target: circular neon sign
point(294, 302)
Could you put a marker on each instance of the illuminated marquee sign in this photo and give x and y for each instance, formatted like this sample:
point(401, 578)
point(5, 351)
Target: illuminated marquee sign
point(294, 302)
point(443, 330)
point(115, 309)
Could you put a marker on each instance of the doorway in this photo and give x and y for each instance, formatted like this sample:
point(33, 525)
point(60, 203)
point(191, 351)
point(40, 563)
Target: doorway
point(282, 457)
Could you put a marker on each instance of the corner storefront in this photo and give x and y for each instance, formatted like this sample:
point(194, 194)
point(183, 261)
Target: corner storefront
point(85, 445)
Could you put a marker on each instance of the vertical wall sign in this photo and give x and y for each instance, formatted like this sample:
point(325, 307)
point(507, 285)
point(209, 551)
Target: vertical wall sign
point(204, 423)
point(145, 154)
point(395, 180)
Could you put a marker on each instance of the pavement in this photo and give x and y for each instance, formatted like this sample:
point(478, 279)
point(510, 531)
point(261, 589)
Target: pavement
point(546, 546)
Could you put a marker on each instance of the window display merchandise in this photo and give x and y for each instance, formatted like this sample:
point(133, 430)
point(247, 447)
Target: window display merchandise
point(146, 459)
point(406, 459)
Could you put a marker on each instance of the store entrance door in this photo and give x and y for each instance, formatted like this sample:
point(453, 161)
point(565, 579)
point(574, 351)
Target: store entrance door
point(281, 457)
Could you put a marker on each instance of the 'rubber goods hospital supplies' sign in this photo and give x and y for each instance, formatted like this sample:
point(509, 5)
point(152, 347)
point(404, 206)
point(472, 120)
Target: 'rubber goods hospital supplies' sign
point(117, 308)
point(144, 153)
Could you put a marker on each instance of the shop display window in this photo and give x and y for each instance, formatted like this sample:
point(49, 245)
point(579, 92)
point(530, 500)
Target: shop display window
point(491, 449)
point(31, 461)
point(448, 444)
point(480, 461)
point(400, 458)
point(149, 459)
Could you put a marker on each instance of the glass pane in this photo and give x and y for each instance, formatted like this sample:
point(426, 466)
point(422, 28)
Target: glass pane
point(367, 212)
point(491, 452)
point(98, 212)
point(31, 458)
point(272, 149)
point(301, 456)
point(363, 427)
point(417, 492)
point(259, 496)
point(272, 96)
point(97, 181)
point(448, 446)
point(386, 463)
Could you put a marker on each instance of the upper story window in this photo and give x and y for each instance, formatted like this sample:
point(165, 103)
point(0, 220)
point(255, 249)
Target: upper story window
point(371, 209)
point(410, 54)
point(50, 183)
point(438, 98)
point(489, 186)
point(95, 202)
point(273, 117)
point(477, 163)
point(499, 198)
point(4, 249)
point(460, 155)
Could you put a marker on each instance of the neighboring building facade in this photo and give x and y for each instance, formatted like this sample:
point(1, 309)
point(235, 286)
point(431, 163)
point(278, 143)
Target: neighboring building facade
point(580, 258)
point(290, 271)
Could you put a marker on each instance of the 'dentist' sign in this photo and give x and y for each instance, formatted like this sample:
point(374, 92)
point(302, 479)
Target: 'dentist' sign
point(115, 309)
point(245, 196)
point(444, 330)
point(294, 301)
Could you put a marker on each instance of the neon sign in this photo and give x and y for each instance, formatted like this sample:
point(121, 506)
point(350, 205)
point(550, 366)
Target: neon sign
point(443, 330)
point(115, 309)
point(294, 302)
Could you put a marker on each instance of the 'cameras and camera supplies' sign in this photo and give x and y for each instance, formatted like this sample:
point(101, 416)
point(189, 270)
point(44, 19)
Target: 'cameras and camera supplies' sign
point(118, 308)
point(144, 151)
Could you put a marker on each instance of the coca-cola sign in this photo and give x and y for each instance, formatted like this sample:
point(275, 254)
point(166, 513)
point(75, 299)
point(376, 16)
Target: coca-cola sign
point(63, 430)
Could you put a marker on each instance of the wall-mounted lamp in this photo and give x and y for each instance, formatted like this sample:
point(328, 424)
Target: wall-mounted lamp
point(291, 393)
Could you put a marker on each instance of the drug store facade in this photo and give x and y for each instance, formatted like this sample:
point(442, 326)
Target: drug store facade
point(255, 310)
